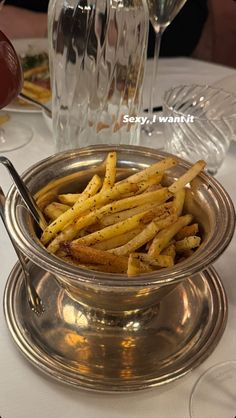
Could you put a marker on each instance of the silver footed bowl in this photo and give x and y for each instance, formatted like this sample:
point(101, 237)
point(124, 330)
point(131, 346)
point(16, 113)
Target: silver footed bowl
point(209, 203)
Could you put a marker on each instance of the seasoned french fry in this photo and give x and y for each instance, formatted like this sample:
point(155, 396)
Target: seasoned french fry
point(97, 214)
point(102, 227)
point(67, 217)
point(156, 168)
point(85, 254)
point(106, 268)
point(158, 214)
point(110, 173)
point(112, 230)
point(187, 231)
point(136, 267)
point(187, 177)
point(118, 240)
point(55, 209)
point(120, 216)
point(178, 201)
point(69, 198)
point(187, 243)
point(144, 236)
point(69, 233)
point(151, 181)
point(170, 250)
point(53, 187)
point(159, 261)
point(163, 238)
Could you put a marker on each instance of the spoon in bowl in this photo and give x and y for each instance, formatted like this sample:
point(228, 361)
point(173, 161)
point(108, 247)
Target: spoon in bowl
point(25, 194)
point(34, 300)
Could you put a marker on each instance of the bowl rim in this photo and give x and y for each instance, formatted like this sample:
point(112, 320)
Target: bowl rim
point(38, 254)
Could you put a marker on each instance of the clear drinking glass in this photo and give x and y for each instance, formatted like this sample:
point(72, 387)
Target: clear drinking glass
point(200, 122)
point(97, 58)
point(12, 135)
point(213, 395)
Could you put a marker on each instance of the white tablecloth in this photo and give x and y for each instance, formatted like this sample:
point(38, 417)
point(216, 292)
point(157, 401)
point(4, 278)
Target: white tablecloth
point(25, 393)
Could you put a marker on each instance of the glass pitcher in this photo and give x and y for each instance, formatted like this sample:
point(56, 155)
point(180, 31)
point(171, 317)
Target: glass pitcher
point(97, 57)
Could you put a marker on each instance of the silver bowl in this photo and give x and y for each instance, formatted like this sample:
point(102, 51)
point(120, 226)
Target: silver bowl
point(207, 201)
point(109, 332)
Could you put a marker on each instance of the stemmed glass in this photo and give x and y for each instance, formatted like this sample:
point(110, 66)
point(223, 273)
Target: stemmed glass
point(161, 14)
point(12, 135)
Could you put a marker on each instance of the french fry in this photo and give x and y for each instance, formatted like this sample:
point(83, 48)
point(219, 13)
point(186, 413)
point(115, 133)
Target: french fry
point(36, 70)
point(136, 267)
point(96, 215)
point(85, 254)
point(162, 261)
point(43, 98)
point(35, 88)
point(144, 236)
point(170, 250)
point(118, 240)
point(178, 201)
point(156, 168)
point(55, 209)
point(69, 198)
point(110, 172)
point(53, 187)
point(120, 216)
point(67, 217)
point(151, 181)
point(187, 231)
point(105, 227)
point(112, 230)
point(187, 243)
point(187, 177)
point(163, 238)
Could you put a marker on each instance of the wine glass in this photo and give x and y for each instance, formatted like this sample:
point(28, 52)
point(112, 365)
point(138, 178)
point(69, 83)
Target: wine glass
point(161, 14)
point(12, 135)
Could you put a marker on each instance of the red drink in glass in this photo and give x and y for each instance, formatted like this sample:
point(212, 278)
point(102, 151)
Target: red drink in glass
point(10, 72)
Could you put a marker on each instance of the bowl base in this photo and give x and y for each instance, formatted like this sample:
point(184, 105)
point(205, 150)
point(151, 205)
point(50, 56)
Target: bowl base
point(71, 343)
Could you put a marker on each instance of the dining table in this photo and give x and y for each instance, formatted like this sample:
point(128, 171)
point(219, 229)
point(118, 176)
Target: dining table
point(25, 392)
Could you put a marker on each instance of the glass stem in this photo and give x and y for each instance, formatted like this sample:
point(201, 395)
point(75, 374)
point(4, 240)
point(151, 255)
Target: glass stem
point(153, 89)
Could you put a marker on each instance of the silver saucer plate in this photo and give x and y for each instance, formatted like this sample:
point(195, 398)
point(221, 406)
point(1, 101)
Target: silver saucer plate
point(76, 345)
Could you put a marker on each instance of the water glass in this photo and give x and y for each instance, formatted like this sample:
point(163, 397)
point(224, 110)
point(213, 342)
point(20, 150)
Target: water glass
point(200, 122)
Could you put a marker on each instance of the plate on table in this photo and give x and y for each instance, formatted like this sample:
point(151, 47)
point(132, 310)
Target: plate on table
point(33, 53)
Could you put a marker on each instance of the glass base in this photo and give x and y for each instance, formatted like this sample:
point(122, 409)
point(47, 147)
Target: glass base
point(213, 395)
point(14, 136)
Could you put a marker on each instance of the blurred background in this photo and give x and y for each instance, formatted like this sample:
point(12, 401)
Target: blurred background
point(204, 29)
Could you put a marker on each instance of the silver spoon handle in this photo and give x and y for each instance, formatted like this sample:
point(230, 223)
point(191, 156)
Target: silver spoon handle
point(25, 194)
point(32, 295)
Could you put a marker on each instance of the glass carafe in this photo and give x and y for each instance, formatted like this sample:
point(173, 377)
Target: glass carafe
point(97, 57)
